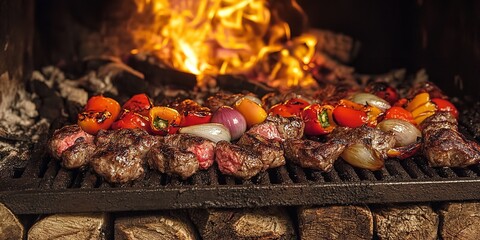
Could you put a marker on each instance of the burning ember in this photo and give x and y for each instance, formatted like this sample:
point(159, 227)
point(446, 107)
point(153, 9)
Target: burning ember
point(212, 37)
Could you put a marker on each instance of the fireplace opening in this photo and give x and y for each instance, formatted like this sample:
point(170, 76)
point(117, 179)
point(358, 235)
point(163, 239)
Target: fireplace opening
point(56, 54)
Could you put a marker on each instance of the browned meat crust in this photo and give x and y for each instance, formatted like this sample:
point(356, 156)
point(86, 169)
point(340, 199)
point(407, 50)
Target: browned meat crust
point(312, 154)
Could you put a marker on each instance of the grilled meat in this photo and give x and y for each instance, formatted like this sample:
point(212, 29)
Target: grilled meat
point(279, 128)
point(120, 153)
point(78, 155)
point(172, 160)
point(270, 152)
point(66, 137)
point(376, 138)
point(222, 99)
point(237, 161)
point(203, 149)
point(312, 154)
point(444, 146)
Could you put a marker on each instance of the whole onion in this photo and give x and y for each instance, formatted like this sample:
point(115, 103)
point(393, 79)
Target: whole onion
point(232, 119)
point(363, 156)
point(404, 132)
point(214, 132)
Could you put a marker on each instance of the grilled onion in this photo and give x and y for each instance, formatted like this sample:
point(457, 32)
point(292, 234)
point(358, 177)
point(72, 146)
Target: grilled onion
point(214, 132)
point(404, 132)
point(370, 99)
point(232, 119)
point(363, 156)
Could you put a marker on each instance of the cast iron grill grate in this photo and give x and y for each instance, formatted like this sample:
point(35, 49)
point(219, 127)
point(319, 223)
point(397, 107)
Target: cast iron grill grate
point(42, 186)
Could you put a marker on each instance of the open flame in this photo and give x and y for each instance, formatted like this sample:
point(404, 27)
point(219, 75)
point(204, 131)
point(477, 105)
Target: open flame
point(210, 37)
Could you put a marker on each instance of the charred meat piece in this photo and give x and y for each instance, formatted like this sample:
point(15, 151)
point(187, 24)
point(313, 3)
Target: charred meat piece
point(78, 155)
point(271, 152)
point(312, 154)
point(172, 160)
point(237, 161)
point(222, 99)
point(444, 146)
point(120, 153)
point(279, 128)
point(203, 149)
point(376, 138)
point(66, 137)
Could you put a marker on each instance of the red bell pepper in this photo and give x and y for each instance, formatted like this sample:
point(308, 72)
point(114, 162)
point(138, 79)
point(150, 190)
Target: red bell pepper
point(318, 119)
point(290, 108)
point(399, 113)
point(164, 120)
point(139, 103)
point(192, 113)
point(384, 91)
point(445, 106)
point(350, 114)
point(99, 113)
point(132, 120)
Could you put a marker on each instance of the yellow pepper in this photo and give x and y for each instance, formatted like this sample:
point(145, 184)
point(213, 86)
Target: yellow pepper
point(421, 107)
point(251, 111)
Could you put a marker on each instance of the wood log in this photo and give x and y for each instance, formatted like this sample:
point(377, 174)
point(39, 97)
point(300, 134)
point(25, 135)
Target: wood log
point(265, 223)
point(71, 226)
point(335, 222)
point(10, 226)
point(460, 221)
point(406, 222)
point(338, 46)
point(155, 226)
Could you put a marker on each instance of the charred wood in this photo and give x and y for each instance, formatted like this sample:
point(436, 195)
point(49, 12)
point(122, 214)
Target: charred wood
point(335, 222)
point(406, 222)
point(271, 223)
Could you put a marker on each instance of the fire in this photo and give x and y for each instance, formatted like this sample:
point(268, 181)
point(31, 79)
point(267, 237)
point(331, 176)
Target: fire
point(210, 37)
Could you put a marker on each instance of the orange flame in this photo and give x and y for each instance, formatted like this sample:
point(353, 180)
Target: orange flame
point(210, 37)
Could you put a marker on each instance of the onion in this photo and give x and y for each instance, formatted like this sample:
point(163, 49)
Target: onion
point(363, 156)
point(214, 132)
point(404, 132)
point(232, 119)
point(372, 100)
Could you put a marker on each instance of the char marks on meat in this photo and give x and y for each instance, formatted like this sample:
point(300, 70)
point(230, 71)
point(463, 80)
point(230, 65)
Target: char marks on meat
point(66, 137)
point(119, 156)
point(78, 155)
point(376, 138)
point(222, 99)
point(270, 152)
point(279, 128)
point(172, 160)
point(312, 154)
point(203, 149)
point(444, 146)
point(237, 161)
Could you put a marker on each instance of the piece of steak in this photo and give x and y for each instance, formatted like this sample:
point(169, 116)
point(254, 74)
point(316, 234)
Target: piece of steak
point(444, 146)
point(270, 152)
point(78, 155)
point(312, 154)
point(237, 161)
point(376, 138)
point(172, 160)
point(203, 149)
point(279, 128)
point(222, 99)
point(119, 156)
point(66, 137)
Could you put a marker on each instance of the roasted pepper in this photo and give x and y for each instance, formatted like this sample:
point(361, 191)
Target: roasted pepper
point(384, 91)
point(373, 114)
point(164, 120)
point(421, 107)
point(139, 103)
point(132, 120)
point(251, 111)
point(318, 119)
point(290, 108)
point(350, 114)
point(445, 106)
point(192, 113)
point(99, 113)
point(399, 113)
